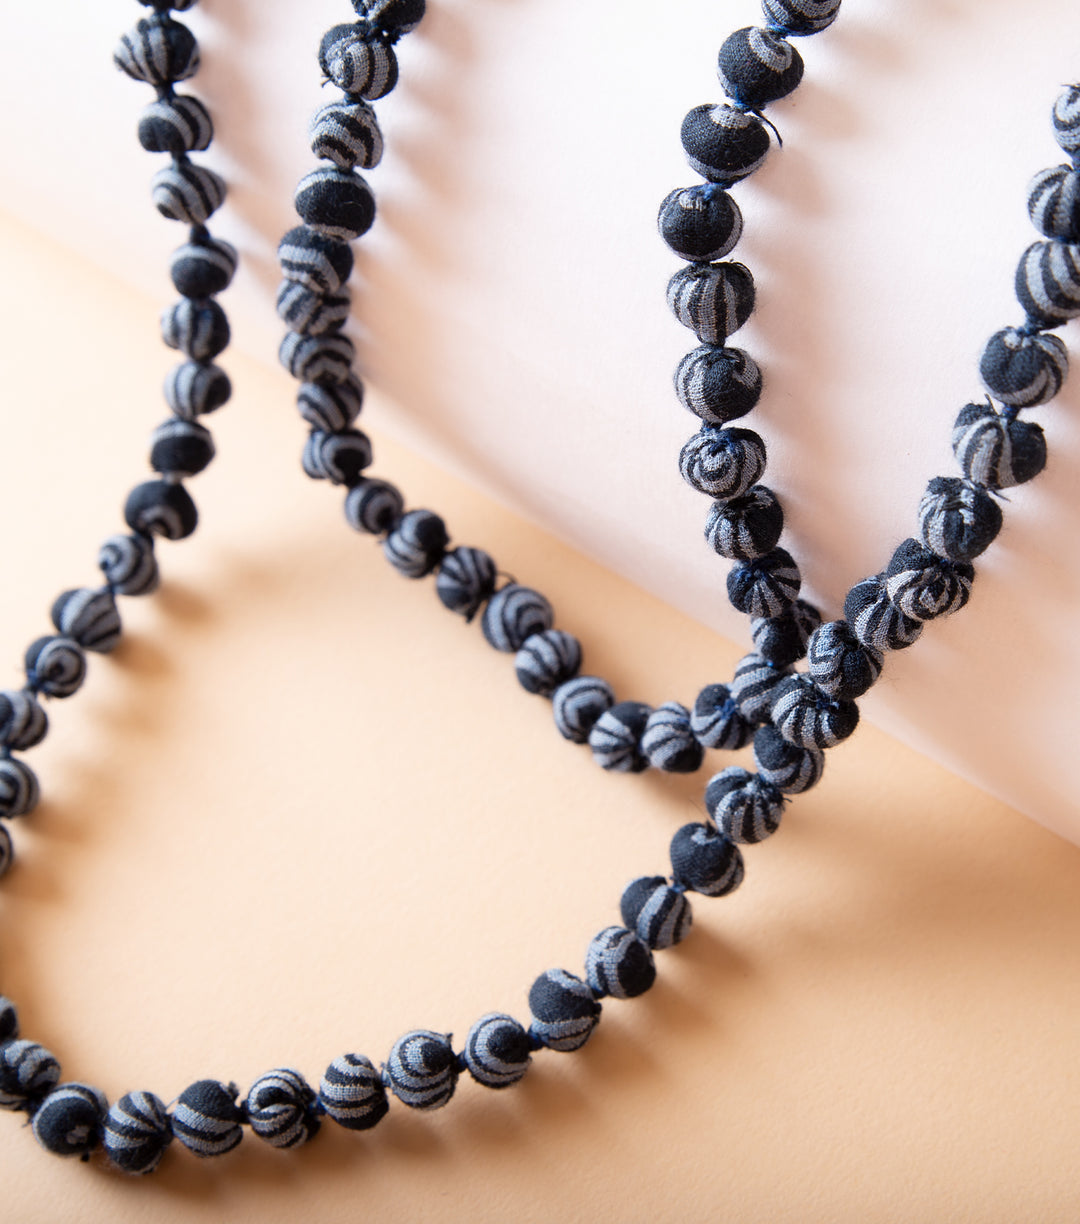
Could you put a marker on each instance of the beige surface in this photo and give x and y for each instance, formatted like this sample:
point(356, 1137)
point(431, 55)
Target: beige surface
point(303, 809)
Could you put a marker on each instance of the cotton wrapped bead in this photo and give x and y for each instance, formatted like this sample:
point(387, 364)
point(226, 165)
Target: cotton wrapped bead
point(716, 721)
point(176, 125)
point(188, 193)
point(712, 299)
point(338, 457)
point(280, 1108)
point(1053, 203)
point(352, 1093)
point(753, 686)
point(181, 448)
point(358, 64)
point(422, 1069)
point(718, 384)
point(348, 134)
point(619, 963)
point(317, 359)
point(7, 851)
point(55, 666)
point(923, 585)
point(840, 665)
point(668, 740)
point(615, 739)
point(745, 808)
point(207, 1119)
point(958, 520)
point(700, 223)
point(547, 660)
point(1065, 119)
point(201, 269)
point(800, 17)
point(195, 388)
point(659, 914)
point(705, 861)
point(373, 506)
point(808, 717)
point(876, 620)
point(757, 67)
point(578, 704)
point(745, 527)
point(465, 581)
point(722, 463)
point(136, 1132)
point(9, 1020)
point(564, 1011)
point(997, 451)
point(335, 202)
point(1022, 369)
point(1048, 282)
point(199, 329)
point(416, 545)
point(782, 640)
point(23, 721)
point(766, 586)
point(313, 260)
point(68, 1121)
point(514, 614)
point(159, 507)
point(331, 407)
point(159, 51)
point(724, 144)
point(27, 1072)
point(394, 17)
point(497, 1051)
point(89, 616)
point(783, 765)
point(19, 788)
point(129, 566)
point(311, 313)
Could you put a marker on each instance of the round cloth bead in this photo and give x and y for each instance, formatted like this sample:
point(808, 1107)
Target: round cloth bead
point(615, 739)
point(337, 457)
point(1066, 119)
point(89, 616)
point(27, 1071)
point(357, 64)
point(700, 223)
point(716, 721)
point(753, 687)
point(547, 660)
point(757, 67)
point(722, 463)
point(136, 1132)
point(564, 1011)
point(619, 963)
point(724, 144)
point(317, 359)
point(7, 851)
point(923, 585)
point(9, 1020)
point(877, 622)
point(422, 1069)
point(790, 769)
point(395, 17)
point(158, 51)
point(746, 808)
point(199, 329)
point(839, 664)
point(313, 260)
point(705, 861)
point(465, 581)
point(207, 1119)
point(311, 313)
point(745, 527)
point(175, 125)
point(348, 134)
point(668, 740)
point(958, 520)
point(577, 705)
point(68, 1121)
point(335, 202)
point(55, 666)
point(201, 269)
point(1048, 282)
point(808, 718)
point(352, 1093)
point(801, 16)
point(188, 193)
point(514, 614)
point(782, 639)
point(718, 384)
point(659, 914)
point(994, 451)
point(159, 507)
point(279, 1108)
point(766, 586)
point(181, 448)
point(23, 721)
point(1054, 203)
point(194, 388)
point(416, 545)
point(497, 1051)
point(1021, 369)
point(712, 299)
point(331, 407)
point(129, 565)
point(19, 789)
point(373, 506)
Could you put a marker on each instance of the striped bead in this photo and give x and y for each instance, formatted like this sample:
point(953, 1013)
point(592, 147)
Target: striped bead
point(757, 67)
point(839, 664)
point(347, 133)
point(1066, 119)
point(615, 739)
point(668, 740)
point(396, 17)
point(700, 223)
point(201, 269)
point(877, 622)
point(129, 566)
point(23, 721)
point(716, 721)
point(780, 764)
point(808, 718)
point(7, 851)
point(1048, 282)
point(161, 508)
point(352, 1093)
point(55, 666)
point(27, 1072)
point(313, 260)
point(422, 1069)
point(373, 506)
point(722, 463)
point(996, 451)
point(705, 861)
point(416, 545)
point(958, 520)
point(718, 384)
point(357, 64)
point(547, 660)
point(782, 639)
point(712, 299)
point(194, 388)
point(317, 359)
point(724, 144)
point(89, 616)
point(796, 17)
point(745, 808)
point(337, 457)
point(497, 1051)
point(753, 686)
point(1054, 203)
point(207, 1119)
point(331, 407)
point(9, 1020)
point(577, 705)
point(175, 125)
point(564, 1011)
point(514, 614)
point(188, 193)
point(337, 203)
point(659, 914)
point(619, 963)
point(199, 329)
point(19, 788)
point(1022, 369)
point(465, 581)
point(766, 586)
point(279, 1108)
point(136, 1132)
point(158, 51)
point(745, 527)
point(68, 1121)
point(181, 448)
point(923, 585)
point(310, 313)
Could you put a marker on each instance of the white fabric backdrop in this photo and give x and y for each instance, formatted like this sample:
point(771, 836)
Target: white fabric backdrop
point(511, 296)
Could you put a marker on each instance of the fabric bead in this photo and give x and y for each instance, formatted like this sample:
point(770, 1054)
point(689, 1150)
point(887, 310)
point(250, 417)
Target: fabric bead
point(201, 269)
point(19, 789)
point(348, 134)
point(55, 666)
point(9, 1020)
point(23, 721)
point(547, 660)
point(514, 614)
point(68, 1121)
point(1021, 369)
point(279, 1108)
point(207, 1119)
point(352, 1093)
point(422, 1069)
point(766, 586)
point(746, 808)
point(705, 861)
point(615, 739)
point(188, 193)
point(669, 742)
point(712, 299)
point(716, 721)
point(395, 17)
point(465, 581)
point(356, 64)
point(89, 616)
point(136, 1132)
point(564, 1011)
point(839, 664)
point(923, 585)
point(994, 451)
point(158, 51)
point(337, 457)
point(335, 202)
point(958, 520)
point(877, 622)
point(176, 125)
point(7, 851)
point(416, 545)
point(317, 359)
point(159, 507)
point(757, 67)
point(27, 1072)
point(659, 914)
point(129, 565)
point(181, 448)
point(577, 705)
point(373, 506)
point(619, 963)
point(806, 716)
point(194, 388)
point(790, 769)
point(722, 463)
point(745, 527)
point(782, 639)
point(753, 686)
point(313, 260)
point(200, 329)
point(718, 384)
point(1053, 203)
point(1066, 119)
point(1048, 282)
point(311, 313)
point(724, 144)
point(497, 1051)
point(700, 223)
point(801, 16)
point(331, 407)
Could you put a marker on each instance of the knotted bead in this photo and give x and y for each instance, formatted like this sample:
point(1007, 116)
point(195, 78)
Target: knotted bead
point(1066, 119)
point(497, 1051)
point(658, 913)
point(700, 223)
point(806, 716)
point(547, 660)
point(352, 1092)
point(27, 1072)
point(136, 1132)
point(668, 740)
point(564, 1011)
point(839, 664)
point(194, 388)
point(395, 17)
point(923, 585)
point(129, 566)
point(718, 384)
point(207, 1119)
point(994, 451)
point(619, 963)
point(745, 527)
point(335, 202)
point(68, 1121)
point(514, 614)
point(279, 1108)
point(753, 686)
point(712, 299)
point(801, 16)
point(158, 51)
point(9, 1020)
point(416, 545)
point(347, 133)
point(19, 789)
point(317, 359)
point(201, 269)
point(188, 193)
point(159, 507)
point(783, 765)
point(1048, 282)
point(422, 1069)
point(199, 329)
point(757, 67)
point(23, 721)
point(313, 260)
point(722, 463)
point(705, 861)
point(766, 586)
point(357, 64)
point(746, 808)
point(615, 739)
point(465, 581)
point(1022, 369)
point(55, 666)
point(958, 520)
point(89, 616)
point(724, 144)
point(180, 448)
point(337, 457)
point(7, 851)
point(1054, 203)
point(577, 705)
point(331, 406)
point(373, 506)
point(175, 125)
point(782, 639)
point(716, 721)
point(311, 313)
point(877, 622)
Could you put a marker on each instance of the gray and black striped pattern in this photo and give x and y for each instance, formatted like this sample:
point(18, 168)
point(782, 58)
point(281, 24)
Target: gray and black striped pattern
point(331, 406)
point(207, 1119)
point(957, 519)
point(668, 740)
point(716, 721)
point(745, 808)
point(336, 202)
point(201, 269)
point(199, 329)
point(615, 739)
point(722, 463)
point(465, 580)
point(55, 665)
point(1048, 282)
point(27, 1072)
point(129, 566)
point(181, 448)
point(790, 769)
point(136, 1132)
point(280, 1109)
point(839, 664)
point(319, 359)
point(347, 133)
point(422, 1069)
point(923, 585)
point(68, 1121)
point(514, 614)
point(718, 384)
point(782, 639)
point(724, 144)
point(577, 704)
point(352, 1092)
point(337, 457)
point(89, 616)
point(659, 914)
point(1054, 203)
point(7, 851)
point(497, 1050)
point(188, 193)
point(758, 66)
point(176, 125)
point(705, 861)
point(19, 789)
point(23, 721)
point(159, 51)
point(1022, 369)
point(564, 1011)
point(416, 544)
point(373, 506)
point(313, 260)
point(311, 313)
point(808, 718)
point(700, 223)
point(766, 586)
point(1066, 119)
point(356, 64)
point(160, 507)
point(547, 660)
point(753, 686)
point(619, 963)
point(745, 527)
point(713, 299)
point(801, 16)
point(194, 388)
point(997, 451)
point(876, 620)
